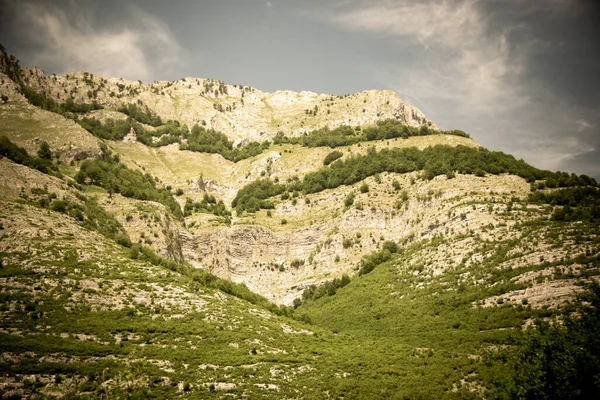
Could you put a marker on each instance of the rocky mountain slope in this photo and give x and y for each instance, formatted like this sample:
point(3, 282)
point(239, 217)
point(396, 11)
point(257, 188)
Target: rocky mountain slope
point(153, 268)
point(243, 113)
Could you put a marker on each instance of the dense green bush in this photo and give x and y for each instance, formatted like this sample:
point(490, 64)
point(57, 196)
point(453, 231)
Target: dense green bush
point(345, 135)
point(327, 288)
point(331, 157)
point(143, 115)
point(208, 204)
point(111, 129)
point(369, 262)
point(573, 204)
point(20, 156)
point(169, 133)
point(252, 197)
point(349, 200)
point(117, 178)
point(211, 141)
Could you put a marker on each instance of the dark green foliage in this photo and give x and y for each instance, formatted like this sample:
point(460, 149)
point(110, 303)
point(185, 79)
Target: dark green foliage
point(169, 133)
point(208, 141)
point(143, 115)
point(327, 288)
point(20, 156)
point(573, 204)
point(434, 161)
point(364, 188)
point(44, 151)
point(349, 200)
point(252, 197)
point(208, 205)
point(111, 129)
point(117, 178)
point(211, 141)
point(563, 361)
point(369, 262)
point(342, 136)
point(118, 129)
point(345, 135)
point(331, 157)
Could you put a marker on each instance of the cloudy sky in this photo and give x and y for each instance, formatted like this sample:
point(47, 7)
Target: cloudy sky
point(521, 76)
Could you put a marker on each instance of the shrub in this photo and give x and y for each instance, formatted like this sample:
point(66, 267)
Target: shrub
point(349, 200)
point(331, 157)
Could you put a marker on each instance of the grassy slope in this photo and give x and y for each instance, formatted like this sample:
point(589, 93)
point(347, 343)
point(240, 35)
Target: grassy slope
point(181, 168)
point(22, 123)
point(74, 304)
point(428, 331)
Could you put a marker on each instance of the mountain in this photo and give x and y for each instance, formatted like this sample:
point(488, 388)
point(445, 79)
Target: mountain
point(197, 239)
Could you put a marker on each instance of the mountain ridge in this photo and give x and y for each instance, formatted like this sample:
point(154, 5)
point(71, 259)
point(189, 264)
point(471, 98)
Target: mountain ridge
point(241, 112)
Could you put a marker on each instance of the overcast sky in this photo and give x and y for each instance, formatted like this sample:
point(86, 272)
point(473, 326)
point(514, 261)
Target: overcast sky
point(521, 76)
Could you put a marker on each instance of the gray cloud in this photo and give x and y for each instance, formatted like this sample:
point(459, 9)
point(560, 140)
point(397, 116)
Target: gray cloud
point(473, 66)
point(65, 37)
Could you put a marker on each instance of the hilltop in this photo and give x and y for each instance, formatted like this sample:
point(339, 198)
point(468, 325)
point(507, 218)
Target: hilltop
point(196, 239)
point(241, 112)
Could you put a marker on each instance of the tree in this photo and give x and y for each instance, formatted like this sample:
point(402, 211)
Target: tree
point(44, 151)
point(562, 361)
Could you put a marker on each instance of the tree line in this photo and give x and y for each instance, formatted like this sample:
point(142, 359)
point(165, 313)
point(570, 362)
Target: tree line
point(345, 135)
point(42, 162)
point(433, 161)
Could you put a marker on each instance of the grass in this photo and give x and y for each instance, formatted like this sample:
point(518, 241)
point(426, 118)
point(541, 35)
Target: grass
point(22, 123)
point(402, 330)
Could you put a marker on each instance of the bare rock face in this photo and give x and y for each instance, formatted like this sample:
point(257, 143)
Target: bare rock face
point(130, 137)
point(9, 89)
point(255, 256)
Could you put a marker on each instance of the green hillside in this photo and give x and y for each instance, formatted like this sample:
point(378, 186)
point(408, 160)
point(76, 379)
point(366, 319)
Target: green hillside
point(142, 256)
